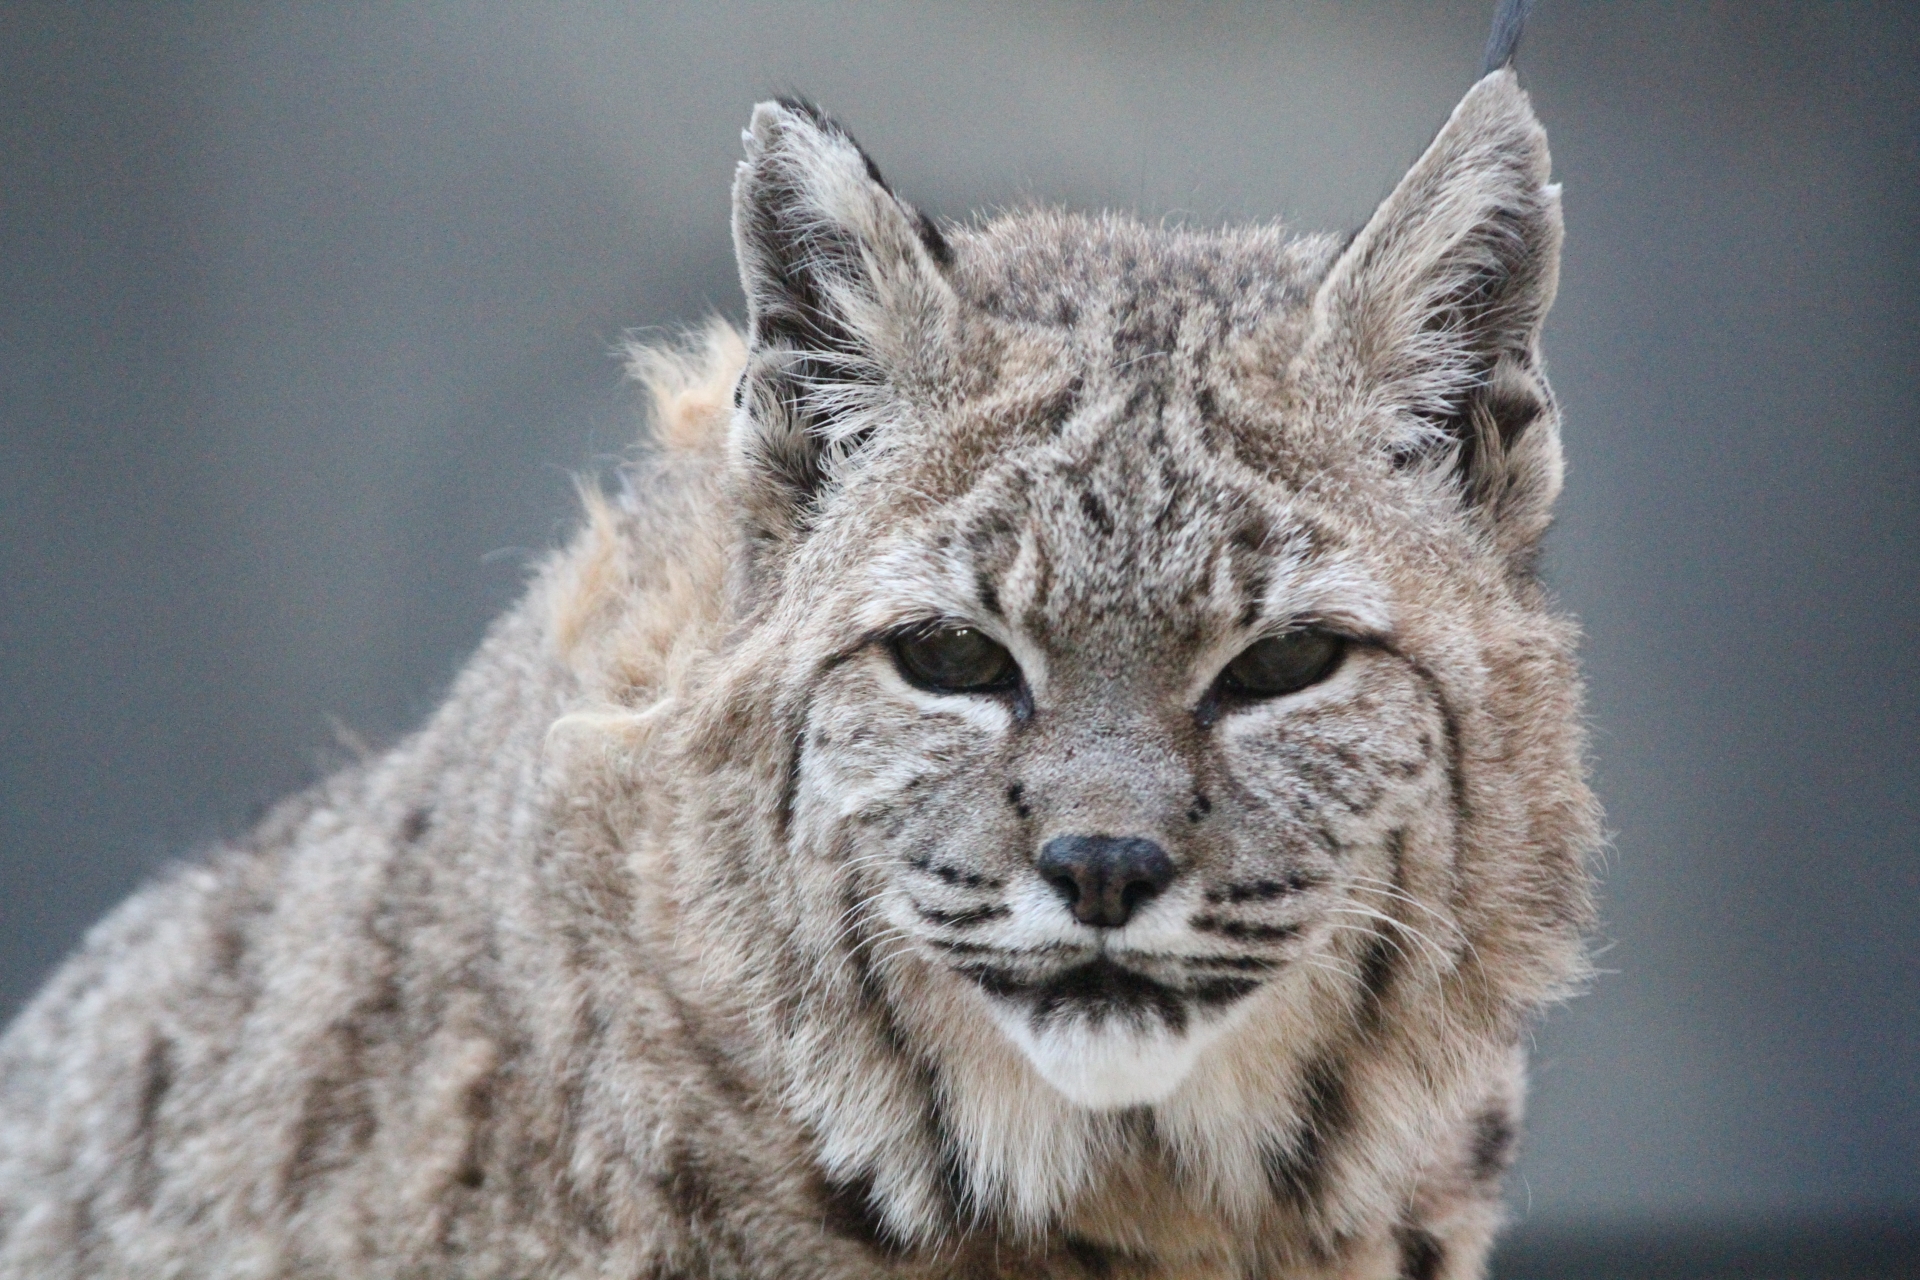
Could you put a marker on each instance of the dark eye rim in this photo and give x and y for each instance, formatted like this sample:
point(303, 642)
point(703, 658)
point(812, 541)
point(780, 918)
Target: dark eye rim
point(1014, 682)
point(1227, 693)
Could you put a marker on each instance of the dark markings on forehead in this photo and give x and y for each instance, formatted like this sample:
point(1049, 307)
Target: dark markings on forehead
point(1135, 498)
point(984, 589)
point(1095, 510)
point(1250, 565)
point(992, 540)
point(992, 532)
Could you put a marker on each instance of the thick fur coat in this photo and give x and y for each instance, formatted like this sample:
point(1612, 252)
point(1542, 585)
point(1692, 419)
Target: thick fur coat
point(704, 933)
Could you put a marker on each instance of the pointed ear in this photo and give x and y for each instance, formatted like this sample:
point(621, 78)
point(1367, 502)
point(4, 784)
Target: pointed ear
point(1430, 319)
point(843, 283)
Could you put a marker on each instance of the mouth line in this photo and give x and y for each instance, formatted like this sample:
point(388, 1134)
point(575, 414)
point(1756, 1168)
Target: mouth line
point(1084, 955)
point(1101, 990)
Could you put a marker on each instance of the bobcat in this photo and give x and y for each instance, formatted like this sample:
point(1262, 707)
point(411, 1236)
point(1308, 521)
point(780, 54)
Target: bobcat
point(1055, 763)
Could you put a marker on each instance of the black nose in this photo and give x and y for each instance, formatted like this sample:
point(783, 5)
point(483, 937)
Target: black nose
point(1104, 878)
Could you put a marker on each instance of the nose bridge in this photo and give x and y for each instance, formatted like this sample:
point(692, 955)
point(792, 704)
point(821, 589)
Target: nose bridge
point(1118, 774)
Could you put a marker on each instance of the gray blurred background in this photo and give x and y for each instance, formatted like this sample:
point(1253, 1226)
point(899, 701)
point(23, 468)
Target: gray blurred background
point(305, 324)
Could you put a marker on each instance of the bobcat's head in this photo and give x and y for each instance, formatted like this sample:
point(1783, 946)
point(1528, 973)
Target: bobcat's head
point(1163, 684)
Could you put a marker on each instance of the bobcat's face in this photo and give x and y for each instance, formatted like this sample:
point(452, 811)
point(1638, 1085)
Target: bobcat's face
point(1135, 593)
point(1122, 726)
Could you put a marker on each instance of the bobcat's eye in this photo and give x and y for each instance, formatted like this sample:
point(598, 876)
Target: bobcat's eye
point(1284, 663)
point(955, 659)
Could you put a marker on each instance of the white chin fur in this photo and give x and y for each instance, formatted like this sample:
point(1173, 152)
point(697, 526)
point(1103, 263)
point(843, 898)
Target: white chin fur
point(1110, 1063)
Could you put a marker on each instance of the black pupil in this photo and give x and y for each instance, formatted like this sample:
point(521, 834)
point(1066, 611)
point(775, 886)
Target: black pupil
point(955, 660)
point(1284, 663)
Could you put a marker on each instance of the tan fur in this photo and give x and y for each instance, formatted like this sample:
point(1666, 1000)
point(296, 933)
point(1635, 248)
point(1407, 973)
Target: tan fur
point(692, 938)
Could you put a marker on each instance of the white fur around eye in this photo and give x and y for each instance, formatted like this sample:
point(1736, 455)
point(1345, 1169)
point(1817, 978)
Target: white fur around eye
point(990, 713)
point(1260, 716)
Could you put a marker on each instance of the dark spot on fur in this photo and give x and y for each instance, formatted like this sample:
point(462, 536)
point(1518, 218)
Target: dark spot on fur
point(995, 980)
point(1249, 964)
point(1397, 857)
point(1376, 978)
point(953, 948)
point(1242, 931)
point(959, 876)
point(951, 1164)
point(336, 1119)
point(685, 1186)
point(1420, 1255)
point(1206, 405)
point(963, 919)
point(790, 787)
point(415, 825)
point(156, 1079)
point(989, 595)
point(1016, 796)
point(1062, 407)
point(1200, 807)
point(1214, 992)
point(1251, 535)
point(996, 529)
point(1141, 397)
point(1253, 593)
point(1095, 511)
point(1494, 1140)
point(848, 1209)
point(1259, 890)
point(1096, 1260)
point(1295, 1174)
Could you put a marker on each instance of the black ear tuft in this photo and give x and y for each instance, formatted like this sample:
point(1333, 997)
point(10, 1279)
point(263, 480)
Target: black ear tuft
point(932, 240)
point(1503, 42)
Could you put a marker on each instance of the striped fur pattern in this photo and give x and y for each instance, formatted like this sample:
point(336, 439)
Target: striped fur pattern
point(693, 937)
